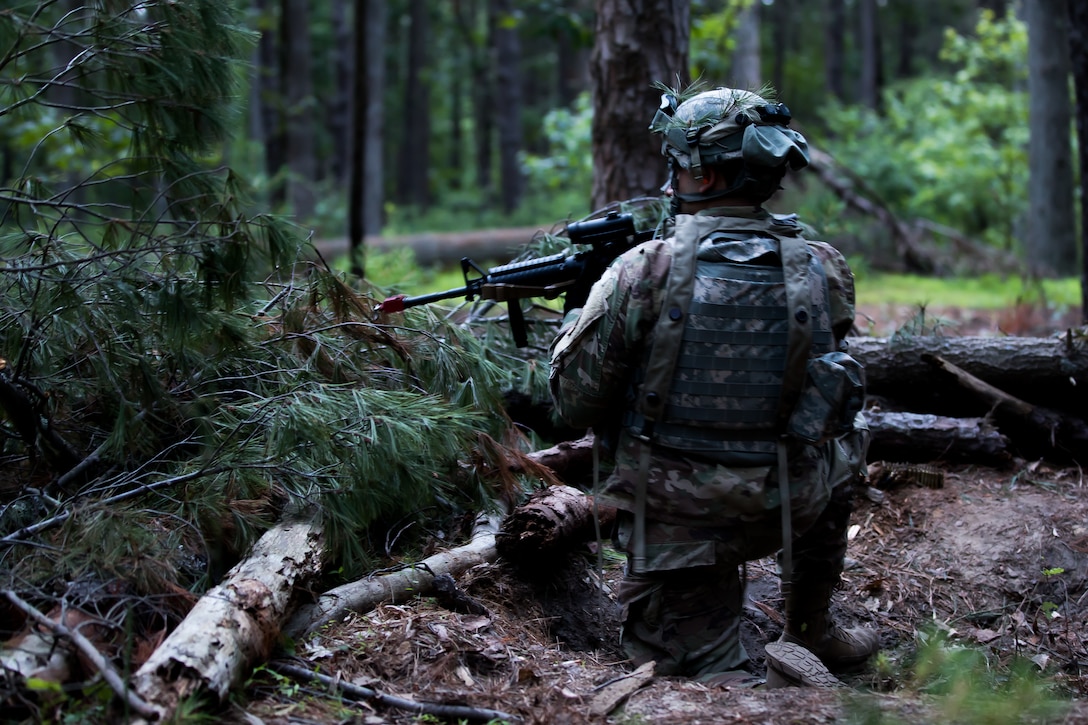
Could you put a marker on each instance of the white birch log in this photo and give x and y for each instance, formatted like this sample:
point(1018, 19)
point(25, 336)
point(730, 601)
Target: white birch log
point(235, 625)
point(365, 594)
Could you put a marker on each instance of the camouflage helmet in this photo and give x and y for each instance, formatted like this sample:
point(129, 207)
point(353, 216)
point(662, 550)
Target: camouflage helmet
point(727, 124)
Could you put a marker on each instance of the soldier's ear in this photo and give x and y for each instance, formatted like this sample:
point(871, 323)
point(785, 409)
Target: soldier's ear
point(711, 178)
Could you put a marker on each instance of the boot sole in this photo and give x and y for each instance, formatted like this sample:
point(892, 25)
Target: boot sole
point(791, 665)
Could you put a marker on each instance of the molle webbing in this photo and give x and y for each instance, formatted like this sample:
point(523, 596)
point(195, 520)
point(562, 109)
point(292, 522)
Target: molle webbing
point(730, 361)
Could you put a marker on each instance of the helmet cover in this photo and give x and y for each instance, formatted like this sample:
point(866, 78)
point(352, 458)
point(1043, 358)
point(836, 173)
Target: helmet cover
point(726, 124)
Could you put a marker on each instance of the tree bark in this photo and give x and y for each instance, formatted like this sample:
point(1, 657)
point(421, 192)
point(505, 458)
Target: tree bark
point(869, 41)
point(923, 437)
point(1010, 363)
point(835, 47)
point(236, 624)
point(268, 92)
point(299, 106)
point(339, 118)
point(508, 79)
point(1051, 228)
point(746, 69)
point(414, 165)
point(1038, 428)
point(367, 188)
point(782, 21)
point(552, 521)
point(637, 42)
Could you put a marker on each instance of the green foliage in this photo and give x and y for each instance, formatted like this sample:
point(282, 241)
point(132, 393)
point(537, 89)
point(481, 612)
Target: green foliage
point(952, 148)
point(174, 374)
point(569, 164)
point(969, 686)
point(713, 39)
point(989, 291)
point(954, 682)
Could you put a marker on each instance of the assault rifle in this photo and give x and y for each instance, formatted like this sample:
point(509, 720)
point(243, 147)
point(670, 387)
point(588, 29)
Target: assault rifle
point(546, 277)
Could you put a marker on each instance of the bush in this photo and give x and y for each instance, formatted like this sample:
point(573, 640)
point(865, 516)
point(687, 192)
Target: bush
point(952, 150)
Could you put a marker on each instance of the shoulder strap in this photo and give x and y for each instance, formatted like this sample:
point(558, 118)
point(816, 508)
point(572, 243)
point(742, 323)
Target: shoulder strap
point(679, 289)
point(654, 392)
point(795, 266)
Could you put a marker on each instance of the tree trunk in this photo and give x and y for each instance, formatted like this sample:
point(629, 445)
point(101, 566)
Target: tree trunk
point(869, 42)
point(1078, 53)
point(835, 47)
point(269, 91)
point(637, 43)
point(1051, 229)
point(484, 113)
point(367, 188)
point(908, 28)
point(782, 20)
point(339, 119)
point(746, 70)
point(235, 625)
point(299, 101)
point(414, 166)
point(571, 64)
point(508, 78)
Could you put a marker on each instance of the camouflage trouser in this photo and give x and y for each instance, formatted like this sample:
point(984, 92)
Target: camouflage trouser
point(688, 619)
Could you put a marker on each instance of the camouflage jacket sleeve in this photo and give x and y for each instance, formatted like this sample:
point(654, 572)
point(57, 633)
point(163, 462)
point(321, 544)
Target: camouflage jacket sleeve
point(840, 283)
point(597, 349)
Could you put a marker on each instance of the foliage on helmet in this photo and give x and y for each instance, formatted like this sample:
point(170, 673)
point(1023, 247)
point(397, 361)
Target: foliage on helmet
point(708, 127)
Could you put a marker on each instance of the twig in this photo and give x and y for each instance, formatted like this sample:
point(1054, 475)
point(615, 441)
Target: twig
point(89, 651)
point(16, 536)
point(358, 692)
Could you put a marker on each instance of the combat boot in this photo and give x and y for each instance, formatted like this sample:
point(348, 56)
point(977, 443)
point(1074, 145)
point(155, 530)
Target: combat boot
point(809, 624)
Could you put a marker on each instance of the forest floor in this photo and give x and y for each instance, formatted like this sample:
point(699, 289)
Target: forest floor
point(978, 587)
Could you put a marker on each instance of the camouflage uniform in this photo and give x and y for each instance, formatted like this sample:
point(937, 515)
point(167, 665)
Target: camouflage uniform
point(705, 519)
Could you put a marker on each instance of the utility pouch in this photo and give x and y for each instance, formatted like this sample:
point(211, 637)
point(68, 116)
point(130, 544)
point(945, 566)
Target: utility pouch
point(833, 393)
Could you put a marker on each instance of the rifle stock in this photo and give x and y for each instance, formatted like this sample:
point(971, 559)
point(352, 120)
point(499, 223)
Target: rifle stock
point(546, 277)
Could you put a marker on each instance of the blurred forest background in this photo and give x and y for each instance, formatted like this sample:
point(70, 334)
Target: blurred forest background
point(479, 113)
point(381, 117)
point(177, 371)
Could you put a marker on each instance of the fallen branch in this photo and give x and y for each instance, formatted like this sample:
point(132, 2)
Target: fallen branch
point(358, 692)
point(1058, 430)
point(88, 650)
point(237, 623)
point(906, 236)
point(365, 594)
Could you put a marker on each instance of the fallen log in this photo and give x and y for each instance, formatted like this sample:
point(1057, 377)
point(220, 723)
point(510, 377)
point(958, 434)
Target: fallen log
point(924, 437)
point(365, 594)
point(235, 625)
point(896, 366)
point(551, 523)
point(569, 459)
point(906, 235)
